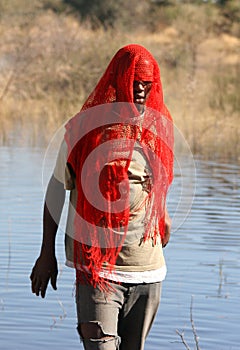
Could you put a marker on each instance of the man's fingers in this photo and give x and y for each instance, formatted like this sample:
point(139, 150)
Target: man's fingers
point(36, 286)
point(39, 285)
point(41, 274)
point(35, 283)
point(32, 274)
point(54, 281)
point(44, 287)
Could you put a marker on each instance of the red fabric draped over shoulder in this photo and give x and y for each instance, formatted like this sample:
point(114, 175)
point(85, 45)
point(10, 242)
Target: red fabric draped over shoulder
point(100, 140)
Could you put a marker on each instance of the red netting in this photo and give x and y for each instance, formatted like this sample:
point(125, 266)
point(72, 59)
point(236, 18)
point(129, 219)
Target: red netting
point(100, 140)
point(132, 62)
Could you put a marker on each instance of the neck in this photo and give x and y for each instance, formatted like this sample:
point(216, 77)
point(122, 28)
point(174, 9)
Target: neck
point(140, 108)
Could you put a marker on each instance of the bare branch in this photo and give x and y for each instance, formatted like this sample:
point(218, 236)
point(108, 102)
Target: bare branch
point(181, 335)
point(193, 325)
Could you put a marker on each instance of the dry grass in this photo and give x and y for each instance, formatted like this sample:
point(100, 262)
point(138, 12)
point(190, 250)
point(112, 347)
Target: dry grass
point(49, 62)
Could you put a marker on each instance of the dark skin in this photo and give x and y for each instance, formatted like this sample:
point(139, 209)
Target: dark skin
point(168, 224)
point(141, 91)
point(45, 268)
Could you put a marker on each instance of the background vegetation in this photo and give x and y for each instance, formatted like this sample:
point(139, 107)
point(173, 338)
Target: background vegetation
point(54, 51)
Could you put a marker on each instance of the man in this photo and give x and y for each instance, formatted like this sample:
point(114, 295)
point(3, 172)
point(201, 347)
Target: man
point(117, 160)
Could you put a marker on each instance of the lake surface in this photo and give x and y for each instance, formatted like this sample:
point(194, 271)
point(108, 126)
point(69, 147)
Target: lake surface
point(203, 260)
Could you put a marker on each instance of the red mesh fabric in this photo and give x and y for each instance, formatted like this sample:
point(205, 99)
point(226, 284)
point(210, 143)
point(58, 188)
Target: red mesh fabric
point(132, 62)
point(101, 223)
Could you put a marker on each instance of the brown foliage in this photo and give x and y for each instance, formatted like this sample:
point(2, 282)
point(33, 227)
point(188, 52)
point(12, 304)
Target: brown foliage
point(50, 60)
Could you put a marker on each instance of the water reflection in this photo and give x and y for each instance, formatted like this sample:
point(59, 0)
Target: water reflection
point(203, 261)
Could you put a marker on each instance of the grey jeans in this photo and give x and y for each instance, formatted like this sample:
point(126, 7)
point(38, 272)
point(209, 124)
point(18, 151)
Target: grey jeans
point(124, 315)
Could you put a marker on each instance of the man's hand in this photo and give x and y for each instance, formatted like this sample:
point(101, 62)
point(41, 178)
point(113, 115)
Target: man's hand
point(168, 224)
point(45, 269)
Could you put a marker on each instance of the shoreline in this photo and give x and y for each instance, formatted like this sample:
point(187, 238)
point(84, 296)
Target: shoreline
point(51, 60)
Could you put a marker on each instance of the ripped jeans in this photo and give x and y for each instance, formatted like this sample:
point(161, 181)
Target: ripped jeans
point(119, 319)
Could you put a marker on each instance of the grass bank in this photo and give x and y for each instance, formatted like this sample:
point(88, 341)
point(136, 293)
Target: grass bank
point(51, 59)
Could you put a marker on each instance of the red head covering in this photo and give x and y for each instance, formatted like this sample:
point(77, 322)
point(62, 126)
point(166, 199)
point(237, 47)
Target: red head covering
point(132, 62)
point(100, 141)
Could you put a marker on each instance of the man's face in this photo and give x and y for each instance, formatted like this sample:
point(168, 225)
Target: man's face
point(141, 90)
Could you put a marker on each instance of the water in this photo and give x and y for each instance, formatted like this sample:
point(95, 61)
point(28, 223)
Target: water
point(203, 260)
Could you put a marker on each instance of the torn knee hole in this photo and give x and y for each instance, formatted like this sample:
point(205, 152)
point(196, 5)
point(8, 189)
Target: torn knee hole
point(92, 330)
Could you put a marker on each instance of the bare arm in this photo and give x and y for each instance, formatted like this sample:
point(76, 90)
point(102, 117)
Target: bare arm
point(45, 268)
